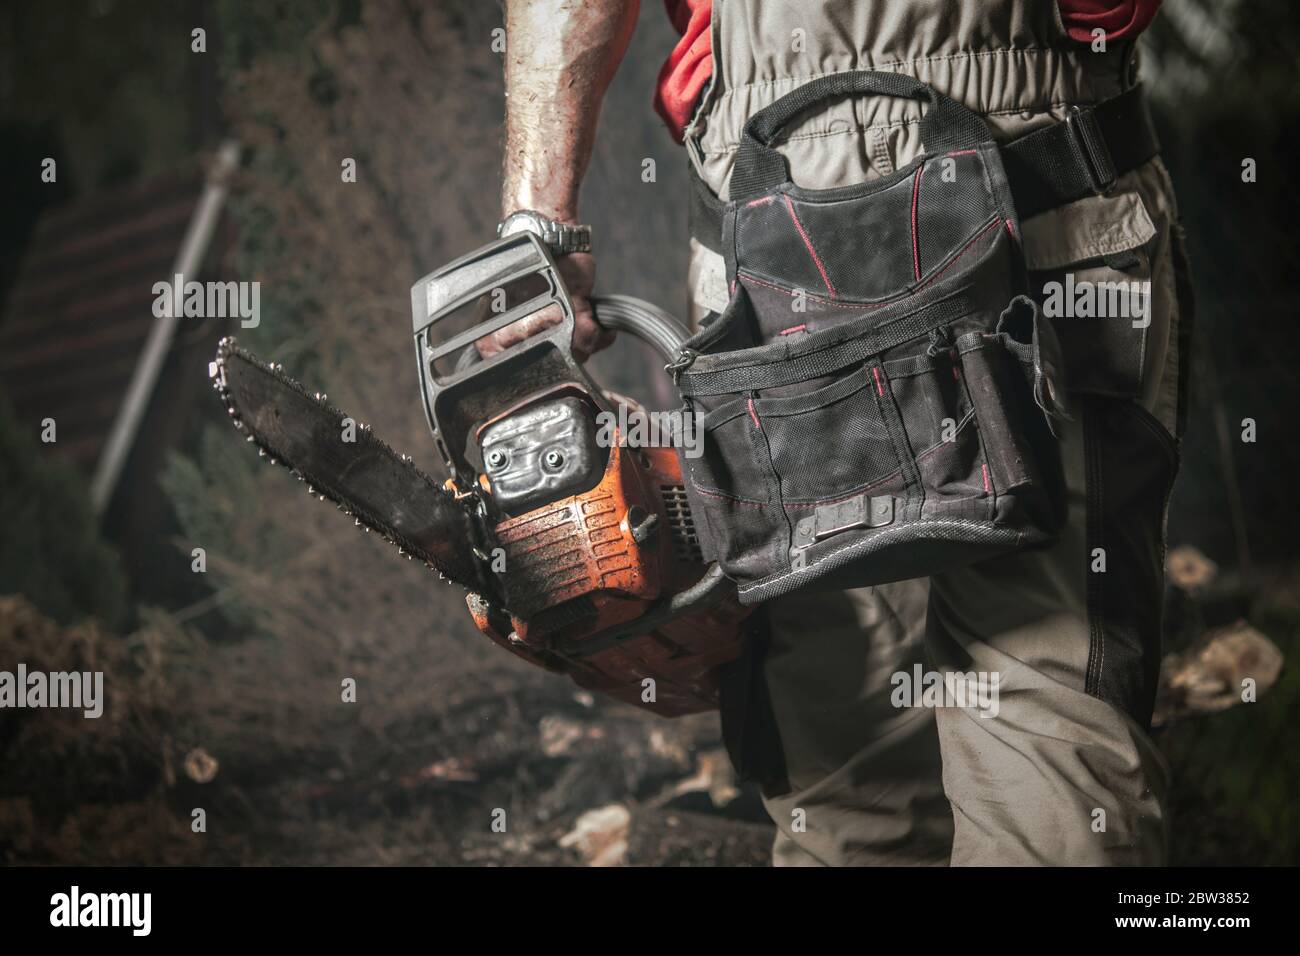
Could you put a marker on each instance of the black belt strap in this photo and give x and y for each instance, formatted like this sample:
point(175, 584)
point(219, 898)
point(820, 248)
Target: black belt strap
point(1082, 156)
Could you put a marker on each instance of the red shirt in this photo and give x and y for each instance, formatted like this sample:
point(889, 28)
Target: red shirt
point(690, 64)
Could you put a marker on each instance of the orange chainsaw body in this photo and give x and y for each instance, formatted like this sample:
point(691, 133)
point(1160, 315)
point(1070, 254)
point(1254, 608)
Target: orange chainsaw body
point(577, 565)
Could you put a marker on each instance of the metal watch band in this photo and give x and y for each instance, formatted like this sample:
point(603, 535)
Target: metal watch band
point(561, 238)
point(566, 238)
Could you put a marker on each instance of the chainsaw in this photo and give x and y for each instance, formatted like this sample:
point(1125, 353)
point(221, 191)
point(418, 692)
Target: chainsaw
point(576, 546)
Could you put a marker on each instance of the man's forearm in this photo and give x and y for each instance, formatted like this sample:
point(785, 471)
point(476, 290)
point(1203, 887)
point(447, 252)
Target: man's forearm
point(560, 58)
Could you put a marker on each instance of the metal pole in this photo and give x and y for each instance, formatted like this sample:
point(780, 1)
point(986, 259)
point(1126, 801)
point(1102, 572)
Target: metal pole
point(189, 259)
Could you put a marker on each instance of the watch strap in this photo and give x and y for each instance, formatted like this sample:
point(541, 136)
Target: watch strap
point(561, 238)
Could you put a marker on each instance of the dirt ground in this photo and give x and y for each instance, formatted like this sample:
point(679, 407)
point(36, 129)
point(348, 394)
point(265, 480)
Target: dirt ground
point(123, 789)
point(487, 762)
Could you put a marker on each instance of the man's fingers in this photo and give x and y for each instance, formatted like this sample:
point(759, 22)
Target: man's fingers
point(579, 274)
point(588, 337)
point(516, 332)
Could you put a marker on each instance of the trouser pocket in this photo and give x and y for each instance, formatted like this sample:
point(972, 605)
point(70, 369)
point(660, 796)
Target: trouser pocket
point(1131, 464)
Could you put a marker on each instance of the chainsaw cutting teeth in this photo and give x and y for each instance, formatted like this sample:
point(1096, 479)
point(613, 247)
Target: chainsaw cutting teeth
point(362, 520)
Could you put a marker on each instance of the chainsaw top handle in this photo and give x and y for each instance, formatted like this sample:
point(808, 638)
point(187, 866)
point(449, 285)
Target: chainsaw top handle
point(457, 402)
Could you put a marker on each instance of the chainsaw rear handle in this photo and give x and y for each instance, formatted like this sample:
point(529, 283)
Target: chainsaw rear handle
point(642, 320)
point(456, 403)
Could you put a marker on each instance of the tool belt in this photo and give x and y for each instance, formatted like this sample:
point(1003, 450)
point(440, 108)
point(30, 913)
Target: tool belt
point(879, 398)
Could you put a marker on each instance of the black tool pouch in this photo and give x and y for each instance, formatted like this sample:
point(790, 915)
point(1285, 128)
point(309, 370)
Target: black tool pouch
point(877, 398)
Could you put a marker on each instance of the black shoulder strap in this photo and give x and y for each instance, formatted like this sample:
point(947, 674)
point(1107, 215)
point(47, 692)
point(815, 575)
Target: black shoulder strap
point(946, 124)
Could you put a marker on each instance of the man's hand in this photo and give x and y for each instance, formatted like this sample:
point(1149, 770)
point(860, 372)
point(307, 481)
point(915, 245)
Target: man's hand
point(560, 58)
point(579, 273)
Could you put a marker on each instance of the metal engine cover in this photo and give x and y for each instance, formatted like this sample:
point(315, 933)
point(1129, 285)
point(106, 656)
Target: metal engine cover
point(542, 453)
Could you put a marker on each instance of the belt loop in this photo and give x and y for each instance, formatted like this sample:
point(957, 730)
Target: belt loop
point(1088, 139)
point(1129, 66)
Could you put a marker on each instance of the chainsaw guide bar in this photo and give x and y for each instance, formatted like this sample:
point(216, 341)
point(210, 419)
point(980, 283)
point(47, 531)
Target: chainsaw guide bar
point(380, 489)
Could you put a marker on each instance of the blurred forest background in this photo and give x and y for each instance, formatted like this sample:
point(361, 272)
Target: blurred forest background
point(225, 686)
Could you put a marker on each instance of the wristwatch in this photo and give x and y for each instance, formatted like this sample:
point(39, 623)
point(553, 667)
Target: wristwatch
point(561, 238)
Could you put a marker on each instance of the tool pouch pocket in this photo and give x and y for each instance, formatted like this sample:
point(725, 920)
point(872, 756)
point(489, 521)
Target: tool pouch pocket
point(877, 399)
